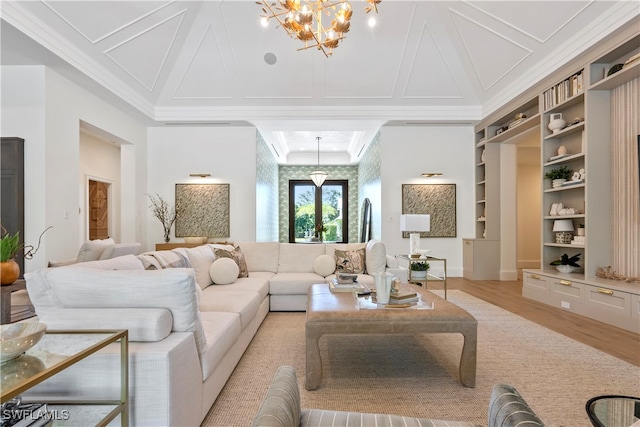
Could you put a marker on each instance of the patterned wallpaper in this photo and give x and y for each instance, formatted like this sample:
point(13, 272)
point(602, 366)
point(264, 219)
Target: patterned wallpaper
point(349, 173)
point(369, 185)
point(266, 193)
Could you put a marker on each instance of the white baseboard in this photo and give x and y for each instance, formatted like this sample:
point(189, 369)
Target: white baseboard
point(509, 275)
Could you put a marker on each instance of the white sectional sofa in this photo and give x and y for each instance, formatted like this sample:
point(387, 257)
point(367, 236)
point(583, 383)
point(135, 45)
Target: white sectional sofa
point(186, 333)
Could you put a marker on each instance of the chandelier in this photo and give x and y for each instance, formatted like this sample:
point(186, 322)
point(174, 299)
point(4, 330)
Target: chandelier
point(303, 20)
point(318, 176)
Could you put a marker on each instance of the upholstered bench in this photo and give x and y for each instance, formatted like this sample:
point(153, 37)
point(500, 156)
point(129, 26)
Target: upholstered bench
point(281, 408)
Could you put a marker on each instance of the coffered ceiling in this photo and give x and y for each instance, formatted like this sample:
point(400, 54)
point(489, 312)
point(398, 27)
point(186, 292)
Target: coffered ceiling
point(211, 63)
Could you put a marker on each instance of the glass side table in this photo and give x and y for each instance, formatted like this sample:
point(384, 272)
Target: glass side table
point(57, 351)
point(614, 411)
point(429, 276)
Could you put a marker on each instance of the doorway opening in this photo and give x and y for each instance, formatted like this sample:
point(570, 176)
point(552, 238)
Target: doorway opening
point(98, 209)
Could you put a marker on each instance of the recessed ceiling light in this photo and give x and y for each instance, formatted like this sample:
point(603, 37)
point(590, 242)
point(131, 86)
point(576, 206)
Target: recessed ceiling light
point(270, 58)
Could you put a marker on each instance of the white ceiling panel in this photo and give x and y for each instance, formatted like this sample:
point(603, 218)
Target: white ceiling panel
point(144, 55)
point(518, 15)
point(210, 61)
point(97, 20)
point(491, 64)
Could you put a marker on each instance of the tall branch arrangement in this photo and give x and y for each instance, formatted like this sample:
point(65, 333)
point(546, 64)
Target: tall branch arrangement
point(165, 213)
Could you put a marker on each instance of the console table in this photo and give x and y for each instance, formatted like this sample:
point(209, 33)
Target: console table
point(46, 359)
point(429, 276)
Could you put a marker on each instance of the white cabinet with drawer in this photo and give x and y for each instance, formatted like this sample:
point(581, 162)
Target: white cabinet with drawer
point(612, 302)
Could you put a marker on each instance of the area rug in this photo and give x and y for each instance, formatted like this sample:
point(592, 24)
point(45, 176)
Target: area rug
point(418, 375)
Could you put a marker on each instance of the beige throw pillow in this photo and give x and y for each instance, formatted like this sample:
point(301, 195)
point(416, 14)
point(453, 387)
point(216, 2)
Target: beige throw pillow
point(352, 261)
point(92, 249)
point(236, 255)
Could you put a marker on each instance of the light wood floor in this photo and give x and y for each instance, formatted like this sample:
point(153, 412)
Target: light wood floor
point(618, 342)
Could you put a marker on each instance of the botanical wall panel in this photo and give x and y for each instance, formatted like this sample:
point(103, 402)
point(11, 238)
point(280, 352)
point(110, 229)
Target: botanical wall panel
point(266, 193)
point(202, 210)
point(369, 186)
point(437, 200)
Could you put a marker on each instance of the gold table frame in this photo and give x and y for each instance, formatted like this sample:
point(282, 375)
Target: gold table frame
point(121, 408)
point(429, 277)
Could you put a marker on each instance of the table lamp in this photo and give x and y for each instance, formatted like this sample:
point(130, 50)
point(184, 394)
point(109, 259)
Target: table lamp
point(414, 224)
point(563, 229)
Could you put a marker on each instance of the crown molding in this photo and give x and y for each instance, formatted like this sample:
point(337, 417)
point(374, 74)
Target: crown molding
point(421, 113)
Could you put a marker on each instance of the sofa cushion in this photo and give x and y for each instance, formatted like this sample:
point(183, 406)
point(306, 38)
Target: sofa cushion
point(173, 289)
point(224, 271)
point(222, 330)
point(143, 324)
point(324, 265)
point(92, 249)
point(236, 255)
point(126, 262)
point(227, 299)
point(261, 256)
point(350, 261)
point(376, 257)
point(200, 258)
point(298, 258)
point(257, 282)
point(293, 283)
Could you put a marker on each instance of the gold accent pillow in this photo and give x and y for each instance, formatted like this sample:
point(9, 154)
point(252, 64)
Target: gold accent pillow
point(236, 255)
point(352, 261)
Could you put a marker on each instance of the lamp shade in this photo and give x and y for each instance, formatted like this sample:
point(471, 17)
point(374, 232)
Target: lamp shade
point(318, 177)
point(415, 223)
point(562, 225)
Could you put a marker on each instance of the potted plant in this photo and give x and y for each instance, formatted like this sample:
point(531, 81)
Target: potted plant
point(559, 175)
point(566, 264)
point(419, 270)
point(9, 247)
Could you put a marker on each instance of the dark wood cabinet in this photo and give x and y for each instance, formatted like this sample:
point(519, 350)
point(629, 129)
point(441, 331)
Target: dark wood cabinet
point(12, 190)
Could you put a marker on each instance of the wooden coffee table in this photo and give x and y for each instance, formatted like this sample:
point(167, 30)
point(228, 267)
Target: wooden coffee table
point(338, 314)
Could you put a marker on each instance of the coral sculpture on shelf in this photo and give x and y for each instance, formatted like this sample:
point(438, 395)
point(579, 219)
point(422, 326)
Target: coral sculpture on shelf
point(608, 273)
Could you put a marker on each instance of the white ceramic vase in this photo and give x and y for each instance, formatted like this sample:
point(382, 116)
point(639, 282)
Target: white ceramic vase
point(556, 123)
point(565, 268)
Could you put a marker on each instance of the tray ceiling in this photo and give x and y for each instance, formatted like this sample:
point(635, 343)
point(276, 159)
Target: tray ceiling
point(212, 63)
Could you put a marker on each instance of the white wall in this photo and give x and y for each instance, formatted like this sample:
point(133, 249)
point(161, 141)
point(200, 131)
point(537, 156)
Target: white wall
point(45, 109)
point(406, 152)
point(99, 161)
point(228, 154)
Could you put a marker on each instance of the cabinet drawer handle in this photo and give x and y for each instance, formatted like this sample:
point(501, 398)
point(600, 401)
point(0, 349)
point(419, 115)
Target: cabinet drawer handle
point(605, 291)
point(565, 282)
point(534, 276)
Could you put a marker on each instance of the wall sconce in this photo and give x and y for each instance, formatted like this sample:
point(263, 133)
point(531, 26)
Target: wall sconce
point(200, 175)
point(431, 174)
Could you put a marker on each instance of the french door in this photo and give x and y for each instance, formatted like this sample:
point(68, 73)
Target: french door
point(318, 214)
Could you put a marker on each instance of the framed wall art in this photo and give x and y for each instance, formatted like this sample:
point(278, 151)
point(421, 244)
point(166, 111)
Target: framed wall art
point(437, 200)
point(202, 210)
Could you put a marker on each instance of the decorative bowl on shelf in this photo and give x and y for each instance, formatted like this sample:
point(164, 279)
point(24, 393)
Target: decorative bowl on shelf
point(565, 268)
point(16, 338)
